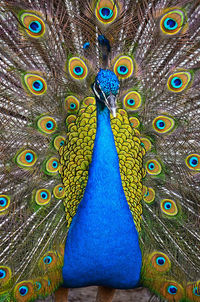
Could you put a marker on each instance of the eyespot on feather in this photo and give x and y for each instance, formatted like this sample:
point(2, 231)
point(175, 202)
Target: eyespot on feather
point(35, 84)
point(77, 68)
point(4, 203)
point(153, 167)
point(106, 11)
point(124, 67)
point(59, 191)
point(5, 275)
point(52, 166)
point(172, 22)
point(26, 159)
point(169, 207)
point(49, 261)
point(42, 197)
point(72, 104)
point(172, 291)
point(179, 81)
point(159, 262)
point(24, 291)
point(193, 162)
point(132, 101)
point(47, 124)
point(134, 122)
point(146, 143)
point(58, 142)
point(41, 286)
point(148, 194)
point(193, 291)
point(163, 124)
point(34, 25)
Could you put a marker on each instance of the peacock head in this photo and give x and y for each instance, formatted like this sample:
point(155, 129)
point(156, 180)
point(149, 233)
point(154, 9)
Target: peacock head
point(106, 88)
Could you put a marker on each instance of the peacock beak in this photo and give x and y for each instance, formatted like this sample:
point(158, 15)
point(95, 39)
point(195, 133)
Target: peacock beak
point(111, 104)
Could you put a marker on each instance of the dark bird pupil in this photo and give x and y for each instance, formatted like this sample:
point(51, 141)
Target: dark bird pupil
point(194, 161)
point(28, 157)
point(122, 68)
point(160, 261)
point(105, 11)
point(173, 290)
point(171, 23)
point(22, 291)
point(78, 69)
point(48, 125)
point(177, 82)
point(161, 124)
point(36, 85)
point(47, 260)
point(34, 26)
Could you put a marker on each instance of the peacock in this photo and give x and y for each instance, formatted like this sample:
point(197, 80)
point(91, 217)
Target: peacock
point(100, 157)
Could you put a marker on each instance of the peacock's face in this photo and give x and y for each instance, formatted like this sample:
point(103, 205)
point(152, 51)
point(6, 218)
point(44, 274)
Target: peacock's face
point(106, 88)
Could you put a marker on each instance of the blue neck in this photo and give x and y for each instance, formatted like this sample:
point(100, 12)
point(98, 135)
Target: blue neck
point(104, 175)
point(102, 245)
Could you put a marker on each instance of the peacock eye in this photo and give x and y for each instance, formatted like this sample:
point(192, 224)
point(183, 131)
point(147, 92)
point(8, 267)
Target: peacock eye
point(35, 84)
point(163, 124)
point(153, 167)
point(26, 159)
point(4, 203)
point(33, 24)
point(172, 289)
point(196, 291)
point(106, 11)
point(160, 260)
point(58, 142)
point(77, 68)
point(172, 22)
point(168, 207)
point(47, 259)
point(124, 67)
point(122, 70)
point(72, 104)
point(47, 125)
point(42, 197)
point(38, 285)
point(132, 101)
point(58, 191)
point(178, 81)
point(2, 274)
point(52, 166)
point(193, 162)
point(50, 260)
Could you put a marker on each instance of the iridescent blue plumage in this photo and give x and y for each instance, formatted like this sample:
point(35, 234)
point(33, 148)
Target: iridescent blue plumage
point(108, 82)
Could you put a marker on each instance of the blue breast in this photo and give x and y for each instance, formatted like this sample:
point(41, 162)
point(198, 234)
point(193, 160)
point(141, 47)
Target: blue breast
point(102, 245)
